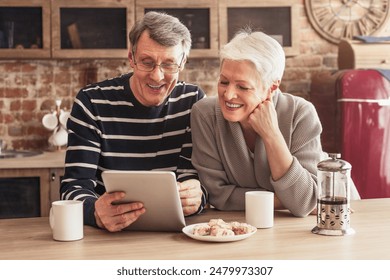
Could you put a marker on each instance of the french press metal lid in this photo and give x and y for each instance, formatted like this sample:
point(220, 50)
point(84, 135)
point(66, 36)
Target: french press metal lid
point(333, 197)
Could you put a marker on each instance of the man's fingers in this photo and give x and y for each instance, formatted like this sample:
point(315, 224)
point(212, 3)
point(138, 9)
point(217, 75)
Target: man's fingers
point(123, 220)
point(188, 210)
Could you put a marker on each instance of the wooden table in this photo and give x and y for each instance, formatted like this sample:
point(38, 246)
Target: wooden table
point(290, 238)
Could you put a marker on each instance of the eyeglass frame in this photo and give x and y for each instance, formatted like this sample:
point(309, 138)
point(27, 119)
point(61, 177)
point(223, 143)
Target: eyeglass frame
point(159, 65)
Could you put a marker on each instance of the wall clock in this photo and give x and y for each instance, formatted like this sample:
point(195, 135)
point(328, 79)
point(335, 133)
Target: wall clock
point(337, 19)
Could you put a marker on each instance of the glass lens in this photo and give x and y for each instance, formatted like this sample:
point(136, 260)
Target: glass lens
point(169, 68)
point(146, 65)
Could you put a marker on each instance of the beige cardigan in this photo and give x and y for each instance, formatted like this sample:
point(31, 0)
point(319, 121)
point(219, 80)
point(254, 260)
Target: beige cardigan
point(228, 169)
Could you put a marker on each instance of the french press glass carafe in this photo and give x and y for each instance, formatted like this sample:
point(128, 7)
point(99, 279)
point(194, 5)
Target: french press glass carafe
point(333, 197)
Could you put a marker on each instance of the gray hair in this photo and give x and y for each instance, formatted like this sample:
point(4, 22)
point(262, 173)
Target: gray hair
point(262, 50)
point(164, 29)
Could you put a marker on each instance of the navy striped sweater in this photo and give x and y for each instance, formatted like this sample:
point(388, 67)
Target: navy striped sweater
point(110, 130)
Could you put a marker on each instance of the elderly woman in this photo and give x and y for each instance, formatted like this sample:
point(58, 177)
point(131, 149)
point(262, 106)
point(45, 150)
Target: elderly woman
point(252, 136)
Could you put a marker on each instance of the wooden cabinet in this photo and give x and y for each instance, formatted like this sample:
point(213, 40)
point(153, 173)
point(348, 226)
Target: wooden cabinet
point(277, 18)
point(40, 185)
point(25, 29)
point(32, 181)
point(65, 28)
point(91, 28)
point(99, 28)
point(200, 17)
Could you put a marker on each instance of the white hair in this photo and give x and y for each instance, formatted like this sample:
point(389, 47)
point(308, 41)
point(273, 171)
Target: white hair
point(262, 50)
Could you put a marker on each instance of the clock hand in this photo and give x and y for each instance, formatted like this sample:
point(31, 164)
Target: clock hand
point(331, 21)
point(364, 7)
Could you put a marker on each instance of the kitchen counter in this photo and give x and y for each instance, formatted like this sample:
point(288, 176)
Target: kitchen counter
point(54, 159)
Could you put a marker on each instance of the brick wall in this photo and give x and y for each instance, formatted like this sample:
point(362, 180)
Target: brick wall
point(29, 88)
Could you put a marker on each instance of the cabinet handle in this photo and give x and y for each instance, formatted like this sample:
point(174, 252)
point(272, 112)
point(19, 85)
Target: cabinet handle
point(53, 176)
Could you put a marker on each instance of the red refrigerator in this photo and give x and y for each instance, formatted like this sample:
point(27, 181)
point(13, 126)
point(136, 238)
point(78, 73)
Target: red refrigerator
point(356, 121)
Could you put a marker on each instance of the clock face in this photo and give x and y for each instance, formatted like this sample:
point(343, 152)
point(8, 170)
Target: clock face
point(337, 19)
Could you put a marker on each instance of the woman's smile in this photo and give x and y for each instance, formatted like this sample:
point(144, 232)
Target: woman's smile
point(233, 105)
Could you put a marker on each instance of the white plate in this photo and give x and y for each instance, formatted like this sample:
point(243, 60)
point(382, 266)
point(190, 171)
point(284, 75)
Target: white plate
point(189, 229)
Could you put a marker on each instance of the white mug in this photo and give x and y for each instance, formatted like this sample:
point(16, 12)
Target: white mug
point(66, 220)
point(59, 137)
point(64, 116)
point(259, 208)
point(50, 121)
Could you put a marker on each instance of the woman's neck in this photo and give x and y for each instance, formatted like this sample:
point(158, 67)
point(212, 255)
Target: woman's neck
point(250, 136)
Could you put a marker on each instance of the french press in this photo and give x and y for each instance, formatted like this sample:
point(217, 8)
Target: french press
point(333, 197)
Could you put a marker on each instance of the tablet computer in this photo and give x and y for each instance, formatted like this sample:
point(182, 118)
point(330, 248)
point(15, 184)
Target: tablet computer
point(157, 190)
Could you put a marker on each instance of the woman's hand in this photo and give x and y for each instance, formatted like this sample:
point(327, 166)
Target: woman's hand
point(116, 217)
point(264, 120)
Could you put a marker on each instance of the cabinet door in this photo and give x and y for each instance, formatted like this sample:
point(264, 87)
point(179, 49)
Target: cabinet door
point(24, 29)
point(19, 197)
point(91, 28)
point(277, 18)
point(200, 17)
point(33, 188)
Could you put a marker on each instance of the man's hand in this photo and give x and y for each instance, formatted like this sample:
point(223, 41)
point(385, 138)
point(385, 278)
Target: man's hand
point(116, 217)
point(190, 194)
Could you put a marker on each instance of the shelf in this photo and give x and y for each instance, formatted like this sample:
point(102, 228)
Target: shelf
point(276, 18)
point(75, 29)
point(91, 28)
point(200, 17)
point(19, 38)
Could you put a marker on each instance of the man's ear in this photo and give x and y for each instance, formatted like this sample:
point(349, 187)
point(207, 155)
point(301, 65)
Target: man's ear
point(131, 59)
point(183, 63)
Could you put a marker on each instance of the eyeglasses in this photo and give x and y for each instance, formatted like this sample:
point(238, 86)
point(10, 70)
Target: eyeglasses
point(149, 66)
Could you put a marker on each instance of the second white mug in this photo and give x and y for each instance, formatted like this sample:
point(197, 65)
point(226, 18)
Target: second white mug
point(259, 208)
